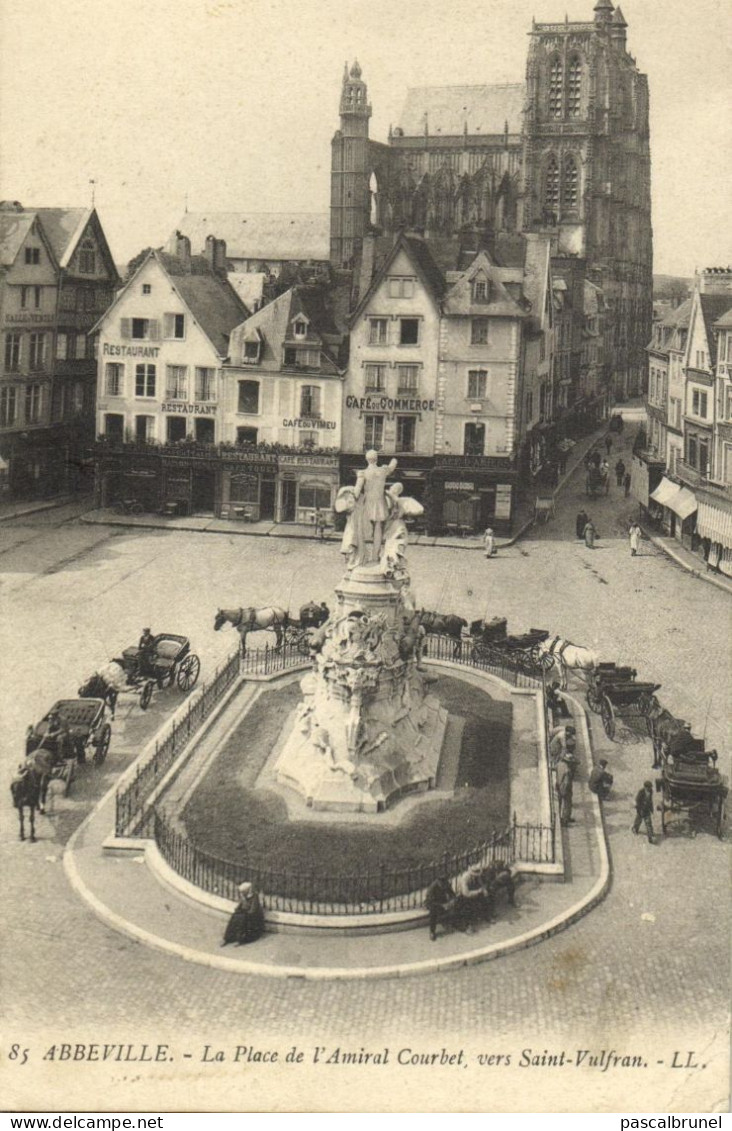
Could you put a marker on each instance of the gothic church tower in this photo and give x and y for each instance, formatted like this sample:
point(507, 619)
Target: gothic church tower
point(349, 193)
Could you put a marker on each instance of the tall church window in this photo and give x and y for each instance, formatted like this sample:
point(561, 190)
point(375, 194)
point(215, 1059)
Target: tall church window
point(556, 87)
point(570, 187)
point(574, 87)
point(551, 186)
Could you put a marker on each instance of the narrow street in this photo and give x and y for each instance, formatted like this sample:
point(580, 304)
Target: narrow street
point(654, 950)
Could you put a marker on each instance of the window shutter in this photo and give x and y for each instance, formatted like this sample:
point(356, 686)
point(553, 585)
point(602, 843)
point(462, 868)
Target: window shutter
point(126, 327)
point(154, 330)
point(168, 325)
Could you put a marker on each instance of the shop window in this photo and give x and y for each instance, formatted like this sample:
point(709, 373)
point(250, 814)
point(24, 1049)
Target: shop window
point(474, 439)
point(114, 379)
point(114, 425)
point(314, 496)
point(144, 429)
point(375, 377)
point(309, 440)
point(87, 258)
point(244, 488)
point(204, 429)
point(62, 345)
point(408, 378)
point(37, 351)
point(247, 436)
point(401, 287)
point(406, 432)
point(205, 384)
point(479, 331)
point(477, 382)
point(12, 353)
point(408, 331)
point(176, 383)
point(175, 428)
point(33, 404)
point(174, 326)
point(249, 397)
point(8, 406)
point(377, 331)
point(373, 432)
point(144, 380)
point(310, 401)
point(33, 256)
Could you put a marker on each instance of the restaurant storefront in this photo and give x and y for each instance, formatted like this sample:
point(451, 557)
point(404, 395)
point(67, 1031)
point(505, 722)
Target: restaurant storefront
point(467, 494)
point(306, 483)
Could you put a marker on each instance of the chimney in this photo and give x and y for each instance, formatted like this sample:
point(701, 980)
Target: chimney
point(181, 248)
point(715, 281)
point(220, 263)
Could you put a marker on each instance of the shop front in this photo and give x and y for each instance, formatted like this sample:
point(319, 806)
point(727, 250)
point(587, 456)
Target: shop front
point(248, 485)
point(130, 477)
point(190, 485)
point(679, 507)
point(306, 483)
point(467, 494)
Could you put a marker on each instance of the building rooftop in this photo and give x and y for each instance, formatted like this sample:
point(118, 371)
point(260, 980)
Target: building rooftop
point(63, 226)
point(447, 110)
point(212, 300)
point(14, 227)
point(262, 235)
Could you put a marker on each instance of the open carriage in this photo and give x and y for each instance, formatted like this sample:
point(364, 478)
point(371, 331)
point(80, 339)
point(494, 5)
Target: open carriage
point(168, 660)
point(598, 481)
point(299, 633)
point(691, 783)
point(603, 676)
point(493, 644)
point(626, 700)
point(83, 730)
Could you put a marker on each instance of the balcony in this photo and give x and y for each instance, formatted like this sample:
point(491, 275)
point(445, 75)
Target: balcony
point(694, 478)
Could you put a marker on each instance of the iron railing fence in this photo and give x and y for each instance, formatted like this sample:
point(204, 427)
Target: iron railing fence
point(371, 891)
point(132, 797)
point(517, 668)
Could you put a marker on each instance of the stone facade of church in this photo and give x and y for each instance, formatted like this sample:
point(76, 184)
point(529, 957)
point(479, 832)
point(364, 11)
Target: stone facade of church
point(565, 154)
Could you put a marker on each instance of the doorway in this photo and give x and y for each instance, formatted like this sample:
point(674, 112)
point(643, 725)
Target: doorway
point(267, 500)
point(289, 500)
point(204, 490)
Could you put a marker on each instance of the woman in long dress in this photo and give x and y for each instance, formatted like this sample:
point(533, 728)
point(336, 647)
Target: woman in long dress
point(635, 535)
point(247, 921)
point(489, 543)
point(589, 533)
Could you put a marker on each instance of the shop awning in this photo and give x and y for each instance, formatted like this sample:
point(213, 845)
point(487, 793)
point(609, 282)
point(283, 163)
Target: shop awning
point(665, 491)
point(714, 523)
point(684, 503)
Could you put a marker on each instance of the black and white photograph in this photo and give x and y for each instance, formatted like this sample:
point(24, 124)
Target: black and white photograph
point(365, 556)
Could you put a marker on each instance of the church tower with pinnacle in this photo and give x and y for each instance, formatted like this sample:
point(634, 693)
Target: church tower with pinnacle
point(349, 193)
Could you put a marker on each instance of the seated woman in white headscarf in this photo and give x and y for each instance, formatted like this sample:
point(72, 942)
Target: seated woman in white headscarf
point(247, 921)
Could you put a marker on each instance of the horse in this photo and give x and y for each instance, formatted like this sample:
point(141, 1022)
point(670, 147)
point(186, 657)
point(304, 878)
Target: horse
point(105, 684)
point(28, 791)
point(663, 728)
point(567, 657)
point(444, 624)
point(491, 631)
point(246, 620)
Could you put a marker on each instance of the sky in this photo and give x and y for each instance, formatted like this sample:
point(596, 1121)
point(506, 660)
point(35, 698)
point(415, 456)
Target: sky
point(230, 105)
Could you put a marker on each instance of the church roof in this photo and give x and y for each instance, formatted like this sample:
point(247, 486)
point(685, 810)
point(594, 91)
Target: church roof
point(261, 235)
point(447, 109)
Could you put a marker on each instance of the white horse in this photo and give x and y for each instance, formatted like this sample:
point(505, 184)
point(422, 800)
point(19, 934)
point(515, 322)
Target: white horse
point(568, 657)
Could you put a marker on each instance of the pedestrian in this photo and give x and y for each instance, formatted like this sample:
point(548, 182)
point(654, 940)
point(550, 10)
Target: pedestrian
point(589, 534)
point(619, 472)
point(324, 613)
point(562, 741)
point(626, 483)
point(608, 443)
point(247, 921)
point(556, 703)
point(644, 810)
point(489, 543)
point(565, 782)
point(621, 422)
point(605, 469)
point(320, 524)
point(440, 901)
point(581, 522)
point(601, 780)
point(474, 901)
point(635, 534)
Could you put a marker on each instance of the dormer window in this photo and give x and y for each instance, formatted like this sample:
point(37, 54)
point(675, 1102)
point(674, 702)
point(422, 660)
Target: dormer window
point(481, 290)
point(300, 328)
point(252, 348)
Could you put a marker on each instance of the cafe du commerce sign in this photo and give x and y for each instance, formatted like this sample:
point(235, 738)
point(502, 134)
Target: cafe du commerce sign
point(389, 404)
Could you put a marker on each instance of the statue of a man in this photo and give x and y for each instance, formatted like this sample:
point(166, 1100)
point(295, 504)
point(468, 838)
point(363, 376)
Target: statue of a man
point(370, 493)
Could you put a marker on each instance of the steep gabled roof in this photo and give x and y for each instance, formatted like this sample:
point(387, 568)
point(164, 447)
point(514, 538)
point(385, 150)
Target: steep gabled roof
point(262, 235)
point(712, 308)
point(419, 254)
point(64, 227)
point(725, 322)
point(447, 110)
point(14, 227)
point(273, 324)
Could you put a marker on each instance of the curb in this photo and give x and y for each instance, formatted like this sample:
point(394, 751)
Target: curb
point(702, 575)
point(34, 508)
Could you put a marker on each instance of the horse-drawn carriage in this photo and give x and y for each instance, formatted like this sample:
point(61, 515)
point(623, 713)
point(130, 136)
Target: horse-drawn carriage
point(165, 660)
point(66, 733)
point(626, 699)
point(598, 481)
point(691, 783)
point(299, 633)
point(492, 644)
point(603, 676)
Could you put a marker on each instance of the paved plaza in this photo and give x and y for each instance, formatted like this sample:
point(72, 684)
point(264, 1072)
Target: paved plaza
point(648, 968)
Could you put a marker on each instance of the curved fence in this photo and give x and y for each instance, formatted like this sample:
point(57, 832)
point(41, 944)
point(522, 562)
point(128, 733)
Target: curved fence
point(372, 891)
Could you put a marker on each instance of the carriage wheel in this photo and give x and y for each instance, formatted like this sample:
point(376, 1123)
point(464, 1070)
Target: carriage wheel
point(608, 717)
point(146, 694)
point(188, 672)
point(594, 699)
point(102, 746)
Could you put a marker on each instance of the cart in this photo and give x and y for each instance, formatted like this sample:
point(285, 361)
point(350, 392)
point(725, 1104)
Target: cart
point(692, 784)
point(169, 661)
point(544, 508)
point(84, 728)
point(626, 700)
point(603, 676)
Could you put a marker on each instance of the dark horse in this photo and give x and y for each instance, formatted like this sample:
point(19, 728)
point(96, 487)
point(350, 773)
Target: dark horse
point(96, 687)
point(248, 620)
point(28, 789)
point(447, 624)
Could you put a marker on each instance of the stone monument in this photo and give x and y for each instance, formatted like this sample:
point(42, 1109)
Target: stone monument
point(367, 730)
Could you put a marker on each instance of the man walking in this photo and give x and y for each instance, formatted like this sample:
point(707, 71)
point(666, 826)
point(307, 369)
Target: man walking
point(626, 483)
point(644, 810)
point(634, 534)
point(565, 782)
point(619, 472)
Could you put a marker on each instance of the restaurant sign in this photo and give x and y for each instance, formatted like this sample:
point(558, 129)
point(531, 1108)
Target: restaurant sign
point(308, 422)
point(192, 409)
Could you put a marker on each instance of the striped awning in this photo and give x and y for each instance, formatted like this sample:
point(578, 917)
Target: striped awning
point(684, 503)
point(714, 523)
point(666, 490)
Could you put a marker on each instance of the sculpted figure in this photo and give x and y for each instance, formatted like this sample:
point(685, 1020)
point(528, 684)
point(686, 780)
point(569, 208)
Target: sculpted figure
point(370, 495)
point(396, 535)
